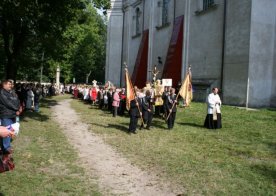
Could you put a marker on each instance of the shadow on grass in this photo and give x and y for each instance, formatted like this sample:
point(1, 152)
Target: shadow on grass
point(161, 124)
point(191, 125)
point(1, 194)
point(266, 170)
point(118, 127)
point(272, 146)
point(123, 127)
point(45, 103)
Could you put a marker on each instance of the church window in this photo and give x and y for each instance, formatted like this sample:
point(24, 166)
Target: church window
point(207, 4)
point(165, 12)
point(137, 21)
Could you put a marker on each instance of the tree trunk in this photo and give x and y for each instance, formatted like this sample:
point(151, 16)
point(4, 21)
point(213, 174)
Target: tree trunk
point(11, 68)
point(13, 41)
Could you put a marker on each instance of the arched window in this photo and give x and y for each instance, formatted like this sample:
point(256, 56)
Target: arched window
point(137, 21)
point(165, 12)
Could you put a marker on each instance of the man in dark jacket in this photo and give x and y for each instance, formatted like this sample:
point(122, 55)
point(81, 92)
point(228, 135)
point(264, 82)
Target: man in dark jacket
point(170, 106)
point(134, 113)
point(147, 109)
point(9, 109)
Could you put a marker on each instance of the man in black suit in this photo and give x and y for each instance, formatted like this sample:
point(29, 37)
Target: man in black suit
point(147, 109)
point(170, 106)
point(134, 113)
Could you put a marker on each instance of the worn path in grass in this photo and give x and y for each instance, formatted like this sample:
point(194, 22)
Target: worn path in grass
point(115, 174)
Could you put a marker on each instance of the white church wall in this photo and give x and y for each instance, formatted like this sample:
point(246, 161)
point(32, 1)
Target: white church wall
point(147, 14)
point(273, 96)
point(127, 36)
point(131, 39)
point(261, 57)
point(114, 42)
point(162, 35)
point(205, 46)
point(236, 52)
point(179, 7)
point(250, 46)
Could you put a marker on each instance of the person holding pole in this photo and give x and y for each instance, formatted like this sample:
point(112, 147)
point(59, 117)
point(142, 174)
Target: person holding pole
point(170, 106)
point(147, 110)
point(135, 113)
point(133, 103)
point(185, 92)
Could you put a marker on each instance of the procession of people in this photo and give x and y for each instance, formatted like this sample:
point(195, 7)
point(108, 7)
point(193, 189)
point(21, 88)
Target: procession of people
point(154, 100)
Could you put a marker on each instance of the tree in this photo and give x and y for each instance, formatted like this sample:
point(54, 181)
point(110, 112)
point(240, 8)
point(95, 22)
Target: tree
point(29, 28)
point(86, 46)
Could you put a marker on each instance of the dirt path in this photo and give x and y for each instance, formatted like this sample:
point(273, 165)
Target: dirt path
point(115, 174)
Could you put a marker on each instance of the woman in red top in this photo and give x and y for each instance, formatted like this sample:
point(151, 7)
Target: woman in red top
point(93, 94)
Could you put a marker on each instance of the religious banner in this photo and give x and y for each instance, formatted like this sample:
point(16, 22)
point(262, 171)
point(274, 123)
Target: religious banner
point(186, 89)
point(130, 94)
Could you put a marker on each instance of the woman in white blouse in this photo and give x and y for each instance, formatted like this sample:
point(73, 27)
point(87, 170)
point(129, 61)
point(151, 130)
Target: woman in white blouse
point(213, 118)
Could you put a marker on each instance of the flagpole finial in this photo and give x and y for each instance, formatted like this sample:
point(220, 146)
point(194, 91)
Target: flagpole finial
point(189, 68)
point(125, 66)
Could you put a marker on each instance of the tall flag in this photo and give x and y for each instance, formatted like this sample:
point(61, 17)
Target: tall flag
point(130, 95)
point(186, 91)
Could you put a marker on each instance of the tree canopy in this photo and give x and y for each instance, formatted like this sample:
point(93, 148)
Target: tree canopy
point(50, 33)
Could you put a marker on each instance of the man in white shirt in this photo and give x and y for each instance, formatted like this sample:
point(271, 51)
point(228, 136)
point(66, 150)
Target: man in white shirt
point(213, 118)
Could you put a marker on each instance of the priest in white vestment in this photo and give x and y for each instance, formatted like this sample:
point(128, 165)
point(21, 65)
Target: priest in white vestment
point(213, 118)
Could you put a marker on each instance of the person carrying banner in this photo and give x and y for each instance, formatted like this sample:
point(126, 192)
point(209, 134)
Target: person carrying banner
point(170, 106)
point(147, 109)
point(134, 113)
point(185, 91)
point(133, 103)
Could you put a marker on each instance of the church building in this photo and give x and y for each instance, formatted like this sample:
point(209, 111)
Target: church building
point(230, 44)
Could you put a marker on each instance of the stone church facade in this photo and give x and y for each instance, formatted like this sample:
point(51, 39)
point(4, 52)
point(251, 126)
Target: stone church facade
point(230, 44)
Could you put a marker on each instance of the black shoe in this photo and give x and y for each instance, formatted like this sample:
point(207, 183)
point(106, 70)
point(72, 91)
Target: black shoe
point(147, 128)
point(134, 132)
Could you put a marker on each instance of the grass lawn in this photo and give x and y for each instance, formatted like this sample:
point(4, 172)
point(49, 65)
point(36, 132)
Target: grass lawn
point(239, 159)
point(45, 163)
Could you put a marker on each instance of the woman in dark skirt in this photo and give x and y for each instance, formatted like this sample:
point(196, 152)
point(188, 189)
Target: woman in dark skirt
point(213, 118)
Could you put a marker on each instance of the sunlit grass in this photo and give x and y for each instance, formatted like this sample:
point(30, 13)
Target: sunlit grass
point(239, 159)
point(46, 164)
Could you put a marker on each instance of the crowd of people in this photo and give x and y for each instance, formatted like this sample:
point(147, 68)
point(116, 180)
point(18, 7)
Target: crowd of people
point(14, 100)
point(152, 100)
